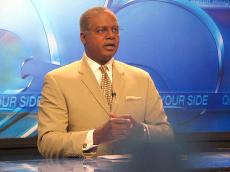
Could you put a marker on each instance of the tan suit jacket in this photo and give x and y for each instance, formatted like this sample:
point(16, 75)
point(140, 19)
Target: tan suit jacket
point(72, 103)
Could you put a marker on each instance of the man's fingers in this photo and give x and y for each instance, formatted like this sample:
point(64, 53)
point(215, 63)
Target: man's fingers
point(120, 120)
point(120, 127)
point(121, 123)
point(113, 115)
point(125, 116)
point(119, 134)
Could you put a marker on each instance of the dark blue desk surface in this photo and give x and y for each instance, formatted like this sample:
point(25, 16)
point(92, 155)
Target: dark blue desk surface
point(213, 161)
point(210, 161)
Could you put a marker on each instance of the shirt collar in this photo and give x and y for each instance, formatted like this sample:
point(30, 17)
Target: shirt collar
point(95, 66)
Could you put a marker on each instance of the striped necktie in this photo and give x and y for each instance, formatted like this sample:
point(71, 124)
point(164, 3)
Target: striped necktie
point(106, 85)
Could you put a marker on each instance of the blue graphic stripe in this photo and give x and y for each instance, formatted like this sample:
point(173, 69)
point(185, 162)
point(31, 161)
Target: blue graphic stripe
point(55, 59)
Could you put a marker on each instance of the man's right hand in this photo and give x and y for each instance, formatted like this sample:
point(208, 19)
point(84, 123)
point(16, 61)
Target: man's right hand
point(113, 129)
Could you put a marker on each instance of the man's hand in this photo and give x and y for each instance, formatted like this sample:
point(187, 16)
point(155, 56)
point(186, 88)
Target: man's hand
point(118, 127)
point(137, 127)
point(114, 129)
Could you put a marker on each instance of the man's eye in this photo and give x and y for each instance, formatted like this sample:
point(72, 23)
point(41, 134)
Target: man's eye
point(101, 30)
point(115, 30)
point(105, 30)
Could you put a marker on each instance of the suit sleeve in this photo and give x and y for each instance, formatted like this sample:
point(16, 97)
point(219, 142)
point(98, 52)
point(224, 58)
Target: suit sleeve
point(54, 139)
point(155, 118)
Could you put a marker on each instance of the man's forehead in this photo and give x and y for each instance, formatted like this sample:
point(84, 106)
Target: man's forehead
point(99, 20)
point(104, 25)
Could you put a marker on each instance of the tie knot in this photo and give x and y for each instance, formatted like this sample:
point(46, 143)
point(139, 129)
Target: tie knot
point(103, 68)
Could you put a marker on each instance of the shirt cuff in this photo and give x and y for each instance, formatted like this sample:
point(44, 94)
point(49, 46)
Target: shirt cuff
point(88, 144)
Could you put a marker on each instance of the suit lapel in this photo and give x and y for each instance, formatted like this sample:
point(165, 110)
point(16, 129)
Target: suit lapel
point(118, 85)
point(91, 83)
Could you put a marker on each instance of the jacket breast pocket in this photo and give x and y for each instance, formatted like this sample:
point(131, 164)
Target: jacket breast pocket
point(134, 106)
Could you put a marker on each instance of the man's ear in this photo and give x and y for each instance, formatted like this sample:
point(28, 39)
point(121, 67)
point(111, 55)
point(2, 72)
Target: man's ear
point(82, 36)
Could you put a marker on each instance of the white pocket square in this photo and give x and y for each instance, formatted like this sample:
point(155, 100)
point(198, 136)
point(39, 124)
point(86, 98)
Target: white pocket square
point(132, 98)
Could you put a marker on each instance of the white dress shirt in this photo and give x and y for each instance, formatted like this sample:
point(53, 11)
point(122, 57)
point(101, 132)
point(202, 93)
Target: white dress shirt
point(95, 67)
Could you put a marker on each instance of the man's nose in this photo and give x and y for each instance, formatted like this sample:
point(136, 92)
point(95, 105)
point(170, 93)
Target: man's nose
point(110, 34)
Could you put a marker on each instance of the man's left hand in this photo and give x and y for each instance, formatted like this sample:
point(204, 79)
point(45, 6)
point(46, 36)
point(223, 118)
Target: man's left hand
point(137, 128)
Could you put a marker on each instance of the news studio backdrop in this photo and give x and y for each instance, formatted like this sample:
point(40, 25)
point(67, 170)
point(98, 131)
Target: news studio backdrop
point(183, 44)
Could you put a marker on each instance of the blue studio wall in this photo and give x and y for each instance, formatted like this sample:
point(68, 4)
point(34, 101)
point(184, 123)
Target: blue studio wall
point(183, 44)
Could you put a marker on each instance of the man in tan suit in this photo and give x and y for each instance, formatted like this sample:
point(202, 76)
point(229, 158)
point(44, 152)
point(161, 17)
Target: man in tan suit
point(77, 114)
